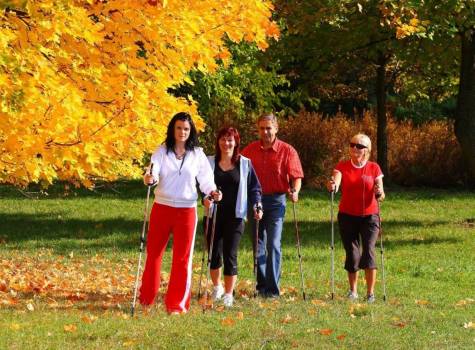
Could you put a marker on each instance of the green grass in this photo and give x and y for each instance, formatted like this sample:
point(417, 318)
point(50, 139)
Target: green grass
point(429, 263)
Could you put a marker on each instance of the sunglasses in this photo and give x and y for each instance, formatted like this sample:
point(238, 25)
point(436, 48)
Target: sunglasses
point(357, 145)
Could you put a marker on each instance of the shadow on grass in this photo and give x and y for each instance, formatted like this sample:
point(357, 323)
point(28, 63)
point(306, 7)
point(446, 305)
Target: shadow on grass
point(64, 235)
point(50, 231)
point(318, 233)
point(130, 189)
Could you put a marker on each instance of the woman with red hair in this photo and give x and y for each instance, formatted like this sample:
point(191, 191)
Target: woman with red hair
point(235, 177)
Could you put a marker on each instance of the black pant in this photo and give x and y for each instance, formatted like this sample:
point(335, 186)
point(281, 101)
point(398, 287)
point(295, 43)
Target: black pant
point(227, 235)
point(354, 229)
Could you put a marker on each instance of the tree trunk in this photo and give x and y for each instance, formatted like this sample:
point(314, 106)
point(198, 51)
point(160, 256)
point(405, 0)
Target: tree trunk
point(382, 139)
point(465, 114)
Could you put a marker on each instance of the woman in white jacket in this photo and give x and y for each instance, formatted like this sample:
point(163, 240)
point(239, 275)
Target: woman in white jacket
point(176, 167)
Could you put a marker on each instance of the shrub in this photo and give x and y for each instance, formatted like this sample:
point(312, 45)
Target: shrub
point(427, 154)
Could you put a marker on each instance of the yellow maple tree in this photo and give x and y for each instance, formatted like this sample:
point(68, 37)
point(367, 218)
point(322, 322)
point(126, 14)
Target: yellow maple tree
point(83, 84)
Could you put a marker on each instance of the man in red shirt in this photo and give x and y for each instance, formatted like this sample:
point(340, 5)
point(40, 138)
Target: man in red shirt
point(279, 170)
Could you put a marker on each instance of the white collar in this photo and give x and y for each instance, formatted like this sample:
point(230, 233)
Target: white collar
point(358, 166)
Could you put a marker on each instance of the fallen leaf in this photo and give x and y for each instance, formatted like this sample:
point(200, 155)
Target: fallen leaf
point(240, 315)
point(318, 302)
point(341, 336)
point(15, 326)
point(325, 331)
point(71, 328)
point(128, 343)
point(422, 302)
point(399, 324)
point(89, 319)
point(3, 286)
point(464, 302)
point(30, 307)
point(228, 321)
point(286, 319)
point(468, 325)
point(220, 308)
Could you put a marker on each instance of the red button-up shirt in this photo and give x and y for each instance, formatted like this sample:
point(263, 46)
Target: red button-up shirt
point(275, 166)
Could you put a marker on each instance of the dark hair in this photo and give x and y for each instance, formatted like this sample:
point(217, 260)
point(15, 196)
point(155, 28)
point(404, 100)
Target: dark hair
point(192, 140)
point(229, 131)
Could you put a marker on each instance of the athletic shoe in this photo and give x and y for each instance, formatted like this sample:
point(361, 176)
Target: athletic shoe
point(370, 298)
point(218, 292)
point(228, 300)
point(352, 296)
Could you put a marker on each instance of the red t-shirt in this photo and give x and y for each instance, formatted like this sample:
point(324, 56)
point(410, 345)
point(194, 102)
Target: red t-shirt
point(357, 188)
point(274, 166)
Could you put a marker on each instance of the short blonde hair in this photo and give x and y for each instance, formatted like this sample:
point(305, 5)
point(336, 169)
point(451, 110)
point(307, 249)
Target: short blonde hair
point(365, 141)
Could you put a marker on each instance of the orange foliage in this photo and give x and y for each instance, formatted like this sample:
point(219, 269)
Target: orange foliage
point(428, 154)
point(84, 84)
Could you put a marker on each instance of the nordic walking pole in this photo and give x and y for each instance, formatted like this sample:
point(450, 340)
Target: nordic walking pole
point(254, 249)
point(205, 248)
point(146, 221)
point(298, 249)
point(383, 277)
point(332, 247)
point(210, 254)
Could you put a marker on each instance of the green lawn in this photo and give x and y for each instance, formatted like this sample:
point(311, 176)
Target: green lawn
point(68, 262)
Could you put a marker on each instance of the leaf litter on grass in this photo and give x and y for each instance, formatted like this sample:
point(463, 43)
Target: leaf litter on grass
point(65, 282)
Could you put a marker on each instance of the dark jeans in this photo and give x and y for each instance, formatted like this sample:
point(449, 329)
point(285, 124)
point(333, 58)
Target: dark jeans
point(359, 233)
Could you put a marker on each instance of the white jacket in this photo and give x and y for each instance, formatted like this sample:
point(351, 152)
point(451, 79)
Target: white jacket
point(177, 179)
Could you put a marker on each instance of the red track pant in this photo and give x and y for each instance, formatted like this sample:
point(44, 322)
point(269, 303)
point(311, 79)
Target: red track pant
point(182, 222)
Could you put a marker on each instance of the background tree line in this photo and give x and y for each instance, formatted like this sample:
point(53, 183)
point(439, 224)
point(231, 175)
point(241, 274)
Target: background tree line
point(88, 86)
point(407, 60)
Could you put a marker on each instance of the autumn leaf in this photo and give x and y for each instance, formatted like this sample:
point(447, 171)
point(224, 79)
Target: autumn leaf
point(465, 302)
point(422, 302)
point(341, 337)
point(318, 302)
point(89, 319)
point(14, 326)
point(228, 321)
point(30, 307)
point(240, 315)
point(129, 343)
point(70, 328)
point(287, 319)
point(468, 325)
point(399, 324)
point(325, 331)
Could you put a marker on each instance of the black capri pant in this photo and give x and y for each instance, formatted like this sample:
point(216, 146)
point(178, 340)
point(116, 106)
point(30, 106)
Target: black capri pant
point(228, 233)
point(359, 235)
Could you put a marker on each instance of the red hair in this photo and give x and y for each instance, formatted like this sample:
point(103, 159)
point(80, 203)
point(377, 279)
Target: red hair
point(229, 132)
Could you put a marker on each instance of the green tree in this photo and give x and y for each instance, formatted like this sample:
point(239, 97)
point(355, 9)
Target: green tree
point(453, 22)
point(349, 49)
point(236, 93)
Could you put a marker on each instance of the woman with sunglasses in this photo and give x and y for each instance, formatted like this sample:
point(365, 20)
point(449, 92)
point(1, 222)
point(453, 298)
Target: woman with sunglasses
point(358, 217)
point(176, 167)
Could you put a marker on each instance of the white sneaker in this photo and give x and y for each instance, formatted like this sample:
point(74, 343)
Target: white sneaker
point(218, 292)
point(352, 296)
point(228, 300)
